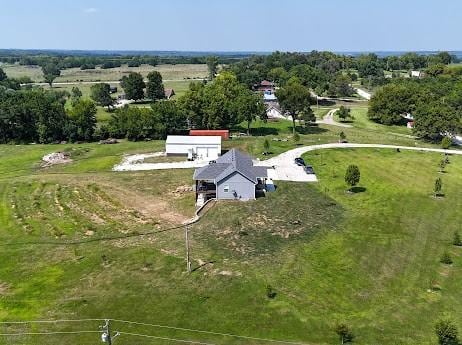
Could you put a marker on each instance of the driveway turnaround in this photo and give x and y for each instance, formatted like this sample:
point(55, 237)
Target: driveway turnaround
point(329, 120)
point(282, 167)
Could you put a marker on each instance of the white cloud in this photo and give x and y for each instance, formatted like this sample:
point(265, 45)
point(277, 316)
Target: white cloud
point(91, 10)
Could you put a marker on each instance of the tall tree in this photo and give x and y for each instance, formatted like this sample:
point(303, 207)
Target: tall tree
point(170, 117)
point(133, 86)
point(101, 94)
point(249, 106)
point(76, 94)
point(83, 120)
point(50, 72)
point(294, 98)
point(154, 86)
point(212, 65)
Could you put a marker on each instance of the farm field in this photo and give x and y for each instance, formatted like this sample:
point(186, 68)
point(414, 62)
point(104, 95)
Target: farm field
point(169, 72)
point(72, 249)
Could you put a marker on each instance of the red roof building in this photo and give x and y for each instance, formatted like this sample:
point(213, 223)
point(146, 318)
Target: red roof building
point(223, 133)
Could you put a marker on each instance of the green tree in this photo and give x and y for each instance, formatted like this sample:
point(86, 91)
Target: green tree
point(3, 75)
point(341, 86)
point(457, 240)
point(294, 98)
point(352, 175)
point(154, 86)
point(76, 94)
point(212, 65)
point(101, 94)
point(193, 104)
point(249, 106)
point(342, 136)
point(438, 186)
point(447, 332)
point(50, 72)
point(446, 143)
point(278, 75)
point(170, 118)
point(133, 86)
point(344, 333)
point(344, 113)
point(307, 116)
point(83, 120)
point(266, 146)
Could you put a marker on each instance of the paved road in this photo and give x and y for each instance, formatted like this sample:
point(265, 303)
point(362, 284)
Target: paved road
point(328, 119)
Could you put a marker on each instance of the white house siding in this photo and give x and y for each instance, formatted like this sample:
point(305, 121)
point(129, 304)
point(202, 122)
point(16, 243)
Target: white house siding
point(243, 188)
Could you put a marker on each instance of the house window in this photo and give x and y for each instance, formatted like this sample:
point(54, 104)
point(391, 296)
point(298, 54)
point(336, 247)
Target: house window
point(226, 188)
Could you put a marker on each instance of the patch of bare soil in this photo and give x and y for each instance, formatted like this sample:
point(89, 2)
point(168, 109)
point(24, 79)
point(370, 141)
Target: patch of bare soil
point(181, 190)
point(148, 206)
point(4, 288)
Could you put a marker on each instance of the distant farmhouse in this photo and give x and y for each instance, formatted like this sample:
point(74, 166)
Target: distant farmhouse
point(265, 86)
point(416, 74)
point(169, 93)
point(231, 177)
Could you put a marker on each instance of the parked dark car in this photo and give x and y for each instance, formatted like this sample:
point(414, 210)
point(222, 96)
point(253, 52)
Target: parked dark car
point(300, 162)
point(309, 170)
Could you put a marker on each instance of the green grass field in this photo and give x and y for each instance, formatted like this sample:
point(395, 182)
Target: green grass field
point(369, 259)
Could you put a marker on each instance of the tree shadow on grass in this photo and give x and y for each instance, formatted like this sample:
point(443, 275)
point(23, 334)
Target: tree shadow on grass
point(356, 190)
point(258, 132)
point(313, 129)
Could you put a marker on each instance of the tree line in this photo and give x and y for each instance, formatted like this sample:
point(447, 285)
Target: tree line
point(435, 103)
point(48, 116)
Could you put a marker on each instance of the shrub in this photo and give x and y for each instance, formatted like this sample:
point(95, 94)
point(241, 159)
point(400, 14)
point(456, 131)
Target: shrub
point(446, 143)
point(457, 241)
point(352, 175)
point(344, 333)
point(438, 186)
point(270, 292)
point(446, 332)
point(446, 258)
point(296, 137)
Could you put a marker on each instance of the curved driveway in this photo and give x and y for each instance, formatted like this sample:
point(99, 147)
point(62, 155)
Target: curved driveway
point(284, 168)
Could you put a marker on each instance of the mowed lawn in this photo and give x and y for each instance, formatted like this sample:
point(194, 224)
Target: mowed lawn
point(369, 259)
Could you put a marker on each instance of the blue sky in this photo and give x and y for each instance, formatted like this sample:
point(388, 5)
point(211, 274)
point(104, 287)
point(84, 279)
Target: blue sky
point(233, 25)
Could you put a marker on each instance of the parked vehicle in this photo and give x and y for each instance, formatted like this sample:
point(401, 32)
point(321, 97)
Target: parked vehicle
point(309, 170)
point(300, 162)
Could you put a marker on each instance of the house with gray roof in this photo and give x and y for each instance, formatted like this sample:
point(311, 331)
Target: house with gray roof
point(231, 177)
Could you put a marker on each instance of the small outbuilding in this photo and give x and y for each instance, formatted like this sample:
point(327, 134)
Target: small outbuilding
point(169, 93)
point(231, 177)
point(204, 148)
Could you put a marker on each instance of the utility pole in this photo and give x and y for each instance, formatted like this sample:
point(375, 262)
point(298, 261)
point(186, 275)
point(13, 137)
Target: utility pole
point(106, 336)
point(188, 259)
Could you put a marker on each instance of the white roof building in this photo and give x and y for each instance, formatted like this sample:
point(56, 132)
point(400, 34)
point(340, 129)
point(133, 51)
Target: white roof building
point(194, 147)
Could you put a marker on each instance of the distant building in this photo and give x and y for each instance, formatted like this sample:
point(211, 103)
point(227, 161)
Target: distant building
point(416, 74)
point(169, 93)
point(273, 111)
point(265, 86)
point(269, 96)
point(204, 148)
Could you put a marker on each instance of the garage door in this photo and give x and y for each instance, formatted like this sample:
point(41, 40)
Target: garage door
point(207, 152)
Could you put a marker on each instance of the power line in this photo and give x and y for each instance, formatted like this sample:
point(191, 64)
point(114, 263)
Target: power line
point(47, 333)
point(208, 332)
point(48, 321)
point(165, 338)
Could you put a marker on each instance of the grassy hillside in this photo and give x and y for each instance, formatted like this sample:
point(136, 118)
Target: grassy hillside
point(71, 248)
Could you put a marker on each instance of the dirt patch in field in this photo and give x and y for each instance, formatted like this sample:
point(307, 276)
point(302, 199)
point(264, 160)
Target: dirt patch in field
point(4, 288)
point(148, 206)
point(55, 158)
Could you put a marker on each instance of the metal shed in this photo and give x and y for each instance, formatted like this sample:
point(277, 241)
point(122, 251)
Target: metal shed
point(194, 147)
